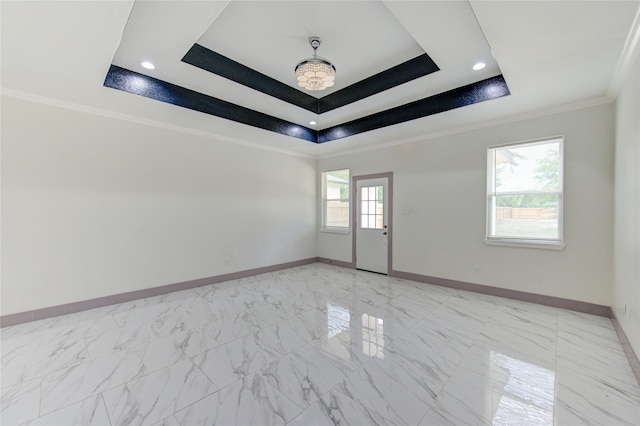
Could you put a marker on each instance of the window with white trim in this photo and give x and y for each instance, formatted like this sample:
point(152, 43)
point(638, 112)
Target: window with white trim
point(335, 201)
point(524, 194)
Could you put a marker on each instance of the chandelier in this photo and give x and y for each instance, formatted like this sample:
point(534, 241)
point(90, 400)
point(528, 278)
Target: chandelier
point(315, 73)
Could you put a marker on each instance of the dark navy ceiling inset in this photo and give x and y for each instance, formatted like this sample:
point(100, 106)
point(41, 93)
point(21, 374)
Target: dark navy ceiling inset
point(395, 76)
point(208, 60)
point(216, 63)
point(140, 84)
point(149, 87)
point(484, 90)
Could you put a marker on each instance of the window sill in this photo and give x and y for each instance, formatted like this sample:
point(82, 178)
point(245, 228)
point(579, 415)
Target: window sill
point(537, 244)
point(335, 230)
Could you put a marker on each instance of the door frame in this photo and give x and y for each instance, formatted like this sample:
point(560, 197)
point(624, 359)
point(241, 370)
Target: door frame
point(354, 196)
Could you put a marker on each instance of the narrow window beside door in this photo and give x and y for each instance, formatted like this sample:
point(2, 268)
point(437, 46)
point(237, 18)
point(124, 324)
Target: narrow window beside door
point(335, 201)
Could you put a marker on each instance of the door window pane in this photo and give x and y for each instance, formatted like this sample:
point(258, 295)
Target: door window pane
point(378, 222)
point(372, 207)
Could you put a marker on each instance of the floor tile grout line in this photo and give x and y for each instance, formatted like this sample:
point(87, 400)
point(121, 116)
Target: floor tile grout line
point(218, 389)
point(93, 394)
point(152, 371)
point(336, 390)
point(266, 382)
point(458, 366)
point(379, 302)
point(88, 397)
point(106, 409)
point(39, 400)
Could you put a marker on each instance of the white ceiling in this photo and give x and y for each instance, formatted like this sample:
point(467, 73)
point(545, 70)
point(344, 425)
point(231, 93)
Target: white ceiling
point(275, 45)
point(551, 53)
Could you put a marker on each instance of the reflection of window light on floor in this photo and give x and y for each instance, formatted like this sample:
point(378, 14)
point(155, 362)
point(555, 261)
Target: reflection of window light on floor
point(513, 412)
point(528, 394)
point(338, 319)
point(372, 336)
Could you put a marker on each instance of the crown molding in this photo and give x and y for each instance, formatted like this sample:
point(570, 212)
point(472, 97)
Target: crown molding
point(625, 61)
point(30, 97)
point(603, 100)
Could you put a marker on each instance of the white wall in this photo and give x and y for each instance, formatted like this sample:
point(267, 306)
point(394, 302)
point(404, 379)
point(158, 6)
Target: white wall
point(627, 207)
point(439, 207)
point(94, 206)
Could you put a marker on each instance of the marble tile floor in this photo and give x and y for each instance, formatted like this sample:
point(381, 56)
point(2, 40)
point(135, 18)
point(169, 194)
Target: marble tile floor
point(317, 345)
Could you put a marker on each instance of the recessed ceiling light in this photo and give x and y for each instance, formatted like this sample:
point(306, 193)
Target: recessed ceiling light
point(148, 65)
point(479, 66)
point(313, 123)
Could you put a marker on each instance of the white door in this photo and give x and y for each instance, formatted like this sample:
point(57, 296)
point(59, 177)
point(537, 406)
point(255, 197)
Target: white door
point(372, 225)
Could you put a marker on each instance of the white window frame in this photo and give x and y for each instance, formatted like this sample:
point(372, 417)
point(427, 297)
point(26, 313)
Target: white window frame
point(541, 243)
point(324, 200)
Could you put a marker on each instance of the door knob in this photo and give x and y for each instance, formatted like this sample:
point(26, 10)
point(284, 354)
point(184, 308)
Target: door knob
point(384, 233)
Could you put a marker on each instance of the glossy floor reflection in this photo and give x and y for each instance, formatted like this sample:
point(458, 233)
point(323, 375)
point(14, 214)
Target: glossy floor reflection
point(318, 345)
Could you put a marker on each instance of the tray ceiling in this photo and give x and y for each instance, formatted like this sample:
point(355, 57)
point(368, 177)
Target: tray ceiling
point(552, 55)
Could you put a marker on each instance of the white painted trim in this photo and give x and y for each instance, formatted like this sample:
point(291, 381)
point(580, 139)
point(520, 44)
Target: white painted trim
point(541, 244)
point(29, 97)
point(629, 51)
point(525, 242)
point(335, 230)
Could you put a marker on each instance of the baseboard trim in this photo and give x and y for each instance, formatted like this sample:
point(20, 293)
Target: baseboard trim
point(556, 302)
point(69, 308)
point(336, 262)
point(632, 357)
point(84, 305)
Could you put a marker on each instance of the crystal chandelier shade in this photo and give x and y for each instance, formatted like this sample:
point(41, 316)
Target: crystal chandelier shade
point(315, 73)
